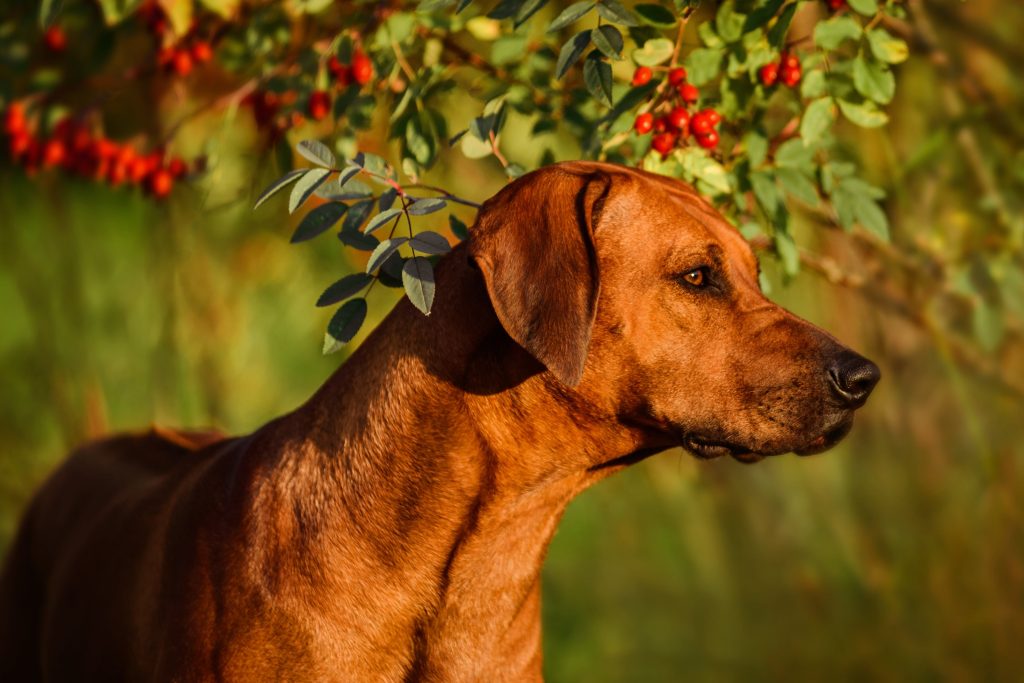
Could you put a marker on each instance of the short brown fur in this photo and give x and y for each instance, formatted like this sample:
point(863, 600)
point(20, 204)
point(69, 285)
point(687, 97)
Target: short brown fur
point(393, 527)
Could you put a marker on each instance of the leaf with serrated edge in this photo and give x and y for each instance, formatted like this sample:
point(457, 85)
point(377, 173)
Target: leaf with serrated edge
point(279, 184)
point(430, 242)
point(344, 288)
point(383, 251)
point(418, 280)
point(306, 186)
point(317, 152)
point(381, 218)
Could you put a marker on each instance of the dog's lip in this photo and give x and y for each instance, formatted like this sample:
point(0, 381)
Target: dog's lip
point(708, 449)
point(827, 440)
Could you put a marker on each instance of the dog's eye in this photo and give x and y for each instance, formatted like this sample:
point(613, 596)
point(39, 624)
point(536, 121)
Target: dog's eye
point(696, 277)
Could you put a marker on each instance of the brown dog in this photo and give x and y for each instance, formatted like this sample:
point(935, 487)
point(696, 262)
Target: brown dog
point(393, 527)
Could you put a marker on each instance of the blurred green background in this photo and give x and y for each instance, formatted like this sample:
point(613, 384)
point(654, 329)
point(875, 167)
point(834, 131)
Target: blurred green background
point(897, 556)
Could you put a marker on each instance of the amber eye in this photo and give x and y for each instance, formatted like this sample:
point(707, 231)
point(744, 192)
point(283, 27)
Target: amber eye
point(695, 277)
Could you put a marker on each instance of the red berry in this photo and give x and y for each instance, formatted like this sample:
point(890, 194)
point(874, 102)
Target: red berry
point(689, 93)
point(53, 153)
point(19, 144)
point(319, 105)
point(790, 75)
point(14, 119)
point(768, 74)
point(701, 124)
point(160, 183)
point(791, 60)
point(138, 169)
point(644, 123)
point(660, 124)
point(642, 75)
point(836, 5)
point(664, 142)
point(342, 74)
point(202, 52)
point(713, 116)
point(676, 76)
point(709, 141)
point(54, 39)
point(678, 118)
point(362, 68)
point(181, 63)
point(177, 167)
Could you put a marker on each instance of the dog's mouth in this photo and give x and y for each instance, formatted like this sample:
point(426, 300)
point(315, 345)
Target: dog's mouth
point(708, 449)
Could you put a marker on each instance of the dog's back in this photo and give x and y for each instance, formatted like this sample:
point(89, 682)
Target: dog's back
point(107, 500)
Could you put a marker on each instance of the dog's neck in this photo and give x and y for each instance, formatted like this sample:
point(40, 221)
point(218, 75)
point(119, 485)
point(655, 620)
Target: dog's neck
point(451, 472)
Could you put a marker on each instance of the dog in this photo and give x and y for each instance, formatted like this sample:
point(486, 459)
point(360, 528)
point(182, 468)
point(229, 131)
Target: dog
point(393, 527)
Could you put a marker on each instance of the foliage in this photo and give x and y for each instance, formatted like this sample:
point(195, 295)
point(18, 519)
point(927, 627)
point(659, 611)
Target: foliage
point(746, 99)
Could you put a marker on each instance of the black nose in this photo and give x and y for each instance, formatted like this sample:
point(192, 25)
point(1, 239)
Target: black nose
point(852, 378)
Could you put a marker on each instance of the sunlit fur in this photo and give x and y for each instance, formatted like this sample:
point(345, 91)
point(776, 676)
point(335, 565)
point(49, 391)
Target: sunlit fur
point(393, 527)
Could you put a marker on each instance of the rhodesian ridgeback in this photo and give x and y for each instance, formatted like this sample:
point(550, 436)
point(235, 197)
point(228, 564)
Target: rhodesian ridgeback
point(393, 527)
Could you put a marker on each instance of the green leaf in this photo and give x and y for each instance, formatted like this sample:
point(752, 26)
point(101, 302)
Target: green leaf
point(344, 288)
point(357, 215)
point(766, 191)
point(608, 40)
point(761, 15)
point(777, 33)
point(865, 7)
point(873, 80)
point(654, 52)
point(374, 164)
point(569, 15)
point(357, 240)
point(505, 9)
point(597, 75)
point(571, 52)
point(795, 154)
point(817, 118)
point(887, 48)
point(306, 185)
point(317, 152)
point(829, 34)
point(787, 250)
point(698, 165)
point(856, 201)
point(458, 228)
point(48, 10)
point(655, 15)
point(528, 9)
point(381, 218)
point(613, 11)
point(798, 185)
point(703, 65)
point(757, 147)
point(813, 84)
point(279, 184)
point(387, 198)
point(430, 242)
point(864, 114)
point(421, 207)
point(418, 280)
point(383, 252)
point(319, 220)
point(345, 324)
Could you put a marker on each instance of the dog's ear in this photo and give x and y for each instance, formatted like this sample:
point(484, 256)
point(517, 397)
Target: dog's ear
point(534, 244)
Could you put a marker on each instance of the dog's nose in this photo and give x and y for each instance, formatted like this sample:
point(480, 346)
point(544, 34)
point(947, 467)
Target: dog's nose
point(852, 378)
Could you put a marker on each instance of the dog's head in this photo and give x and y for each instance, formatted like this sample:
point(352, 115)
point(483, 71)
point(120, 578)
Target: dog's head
point(633, 291)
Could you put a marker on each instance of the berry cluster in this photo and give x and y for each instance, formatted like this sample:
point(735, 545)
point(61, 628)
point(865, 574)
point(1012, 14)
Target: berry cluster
point(677, 124)
point(360, 72)
point(72, 147)
point(180, 57)
point(787, 69)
